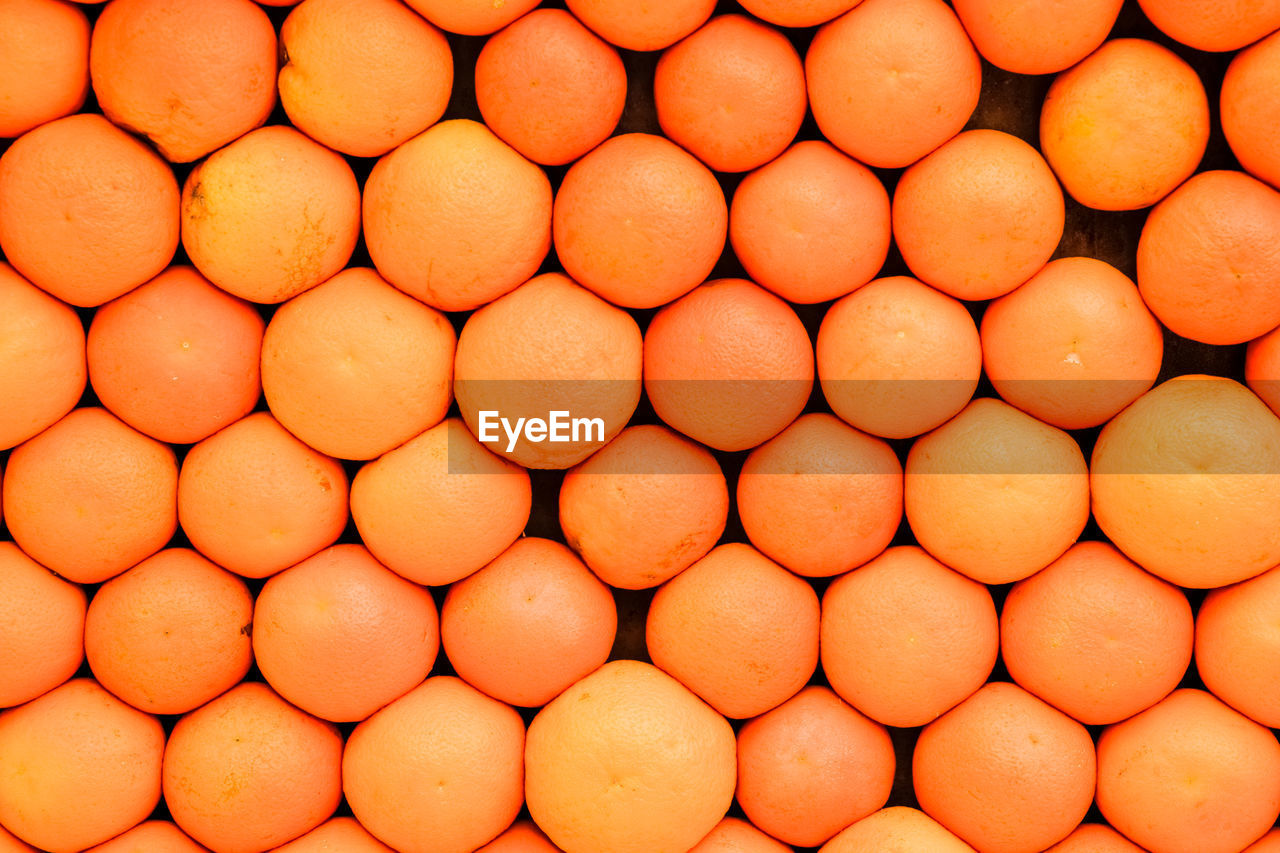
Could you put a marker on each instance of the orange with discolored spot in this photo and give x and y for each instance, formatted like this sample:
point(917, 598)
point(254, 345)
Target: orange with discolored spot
point(270, 215)
point(189, 75)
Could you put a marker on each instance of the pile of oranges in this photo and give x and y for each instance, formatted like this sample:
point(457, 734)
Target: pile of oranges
point(917, 480)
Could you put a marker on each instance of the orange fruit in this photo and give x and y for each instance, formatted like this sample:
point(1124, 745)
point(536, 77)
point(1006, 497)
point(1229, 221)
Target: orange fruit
point(57, 751)
point(904, 639)
point(797, 13)
point(1266, 844)
point(456, 186)
point(176, 358)
point(1073, 345)
point(1205, 265)
point(171, 633)
point(152, 836)
point(90, 496)
point(190, 75)
point(896, 358)
point(354, 367)
point(41, 628)
point(812, 766)
point(439, 506)
point(1262, 368)
point(978, 216)
point(1236, 642)
point(42, 362)
point(10, 844)
point(639, 221)
point(812, 224)
point(87, 212)
point(1189, 774)
point(729, 364)
point(248, 771)
point(996, 494)
point(1185, 480)
point(897, 828)
point(732, 835)
point(1094, 838)
point(1042, 37)
point(1096, 636)
point(820, 497)
point(916, 74)
point(1125, 126)
point(644, 507)
point(342, 834)
point(340, 635)
point(549, 88)
point(270, 215)
point(536, 588)
point(651, 26)
point(554, 353)
point(1005, 771)
point(731, 93)
point(255, 500)
point(628, 760)
point(1249, 117)
point(454, 790)
point(362, 77)
point(1213, 25)
point(46, 72)
point(737, 629)
point(522, 837)
point(471, 17)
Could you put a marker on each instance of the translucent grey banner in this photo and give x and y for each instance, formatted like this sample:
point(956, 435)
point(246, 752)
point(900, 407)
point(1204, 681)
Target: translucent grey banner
point(855, 426)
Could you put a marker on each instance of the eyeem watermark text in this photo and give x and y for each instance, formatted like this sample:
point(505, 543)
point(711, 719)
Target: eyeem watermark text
point(558, 427)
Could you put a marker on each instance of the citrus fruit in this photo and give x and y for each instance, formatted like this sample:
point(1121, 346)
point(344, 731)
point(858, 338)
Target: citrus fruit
point(1125, 126)
point(1189, 774)
point(916, 74)
point(453, 790)
point(41, 628)
point(904, 638)
point(295, 226)
point(340, 635)
point(812, 224)
point(1096, 636)
point(996, 494)
point(536, 588)
point(553, 353)
point(1183, 479)
point(1005, 771)
point(176, 358)
point(91, 496)
point(549, 87)
point(354, 367)
point(628, 760)
point(248, 771)
point(729, 364)
point(171, 633)
point(812, 766)
point(737, 629)
point(639, 221)
point(362, 77)
point(1073, 345)
point(455, 217)
point(644, 507)
point(820, 497)
point(189, 75)
point(732, 93)
point(55, 753)
point(440, 506)
point(897, 358)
